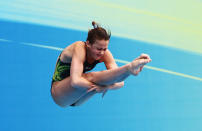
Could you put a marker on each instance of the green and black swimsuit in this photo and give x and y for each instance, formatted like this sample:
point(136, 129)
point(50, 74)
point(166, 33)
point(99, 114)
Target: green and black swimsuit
point(62, 70)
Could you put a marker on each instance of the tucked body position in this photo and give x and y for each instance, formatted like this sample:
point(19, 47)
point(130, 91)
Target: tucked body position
point(72, 84)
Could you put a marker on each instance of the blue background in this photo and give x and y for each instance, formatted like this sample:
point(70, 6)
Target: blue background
point(152, 101)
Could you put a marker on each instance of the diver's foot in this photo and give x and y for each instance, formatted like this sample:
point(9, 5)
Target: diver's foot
point(136, 65)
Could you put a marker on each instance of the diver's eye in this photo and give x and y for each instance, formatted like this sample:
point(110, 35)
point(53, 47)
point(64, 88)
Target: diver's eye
point(99, 49)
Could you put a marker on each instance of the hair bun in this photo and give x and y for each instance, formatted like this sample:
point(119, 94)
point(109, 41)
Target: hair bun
point(95, 25)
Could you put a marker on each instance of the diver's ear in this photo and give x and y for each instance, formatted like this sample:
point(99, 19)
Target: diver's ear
point(88, 44)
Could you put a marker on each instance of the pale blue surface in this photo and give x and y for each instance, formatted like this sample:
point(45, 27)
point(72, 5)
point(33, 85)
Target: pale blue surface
point(153, 101)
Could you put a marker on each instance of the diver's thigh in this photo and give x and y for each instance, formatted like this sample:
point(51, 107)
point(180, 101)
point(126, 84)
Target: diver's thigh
point(63, 94)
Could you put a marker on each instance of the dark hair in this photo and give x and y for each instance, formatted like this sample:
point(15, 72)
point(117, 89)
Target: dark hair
point(98, 33)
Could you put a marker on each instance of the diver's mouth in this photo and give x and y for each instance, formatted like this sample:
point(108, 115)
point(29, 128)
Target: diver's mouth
point(99, 56)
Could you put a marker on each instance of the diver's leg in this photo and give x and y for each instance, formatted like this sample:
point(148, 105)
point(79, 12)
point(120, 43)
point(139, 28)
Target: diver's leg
point(84, 98)
point(109, 77)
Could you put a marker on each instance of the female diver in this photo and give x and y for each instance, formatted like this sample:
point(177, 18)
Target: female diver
point(72, 86)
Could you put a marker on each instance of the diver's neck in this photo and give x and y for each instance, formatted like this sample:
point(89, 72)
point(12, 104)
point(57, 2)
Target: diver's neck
point(89, 57)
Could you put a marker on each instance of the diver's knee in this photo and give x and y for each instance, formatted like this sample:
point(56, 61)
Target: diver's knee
point(89, 76)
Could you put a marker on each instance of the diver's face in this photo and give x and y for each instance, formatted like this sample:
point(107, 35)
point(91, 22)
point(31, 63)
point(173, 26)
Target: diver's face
point(98, 48)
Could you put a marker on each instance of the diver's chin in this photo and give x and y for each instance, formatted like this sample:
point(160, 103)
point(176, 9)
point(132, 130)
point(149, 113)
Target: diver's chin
point(98, 58)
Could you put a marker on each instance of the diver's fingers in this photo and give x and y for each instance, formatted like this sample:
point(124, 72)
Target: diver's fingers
point(91, 89)
point(103, 94)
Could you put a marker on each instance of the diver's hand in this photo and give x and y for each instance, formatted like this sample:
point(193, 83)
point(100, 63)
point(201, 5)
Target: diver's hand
point(97, 88)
